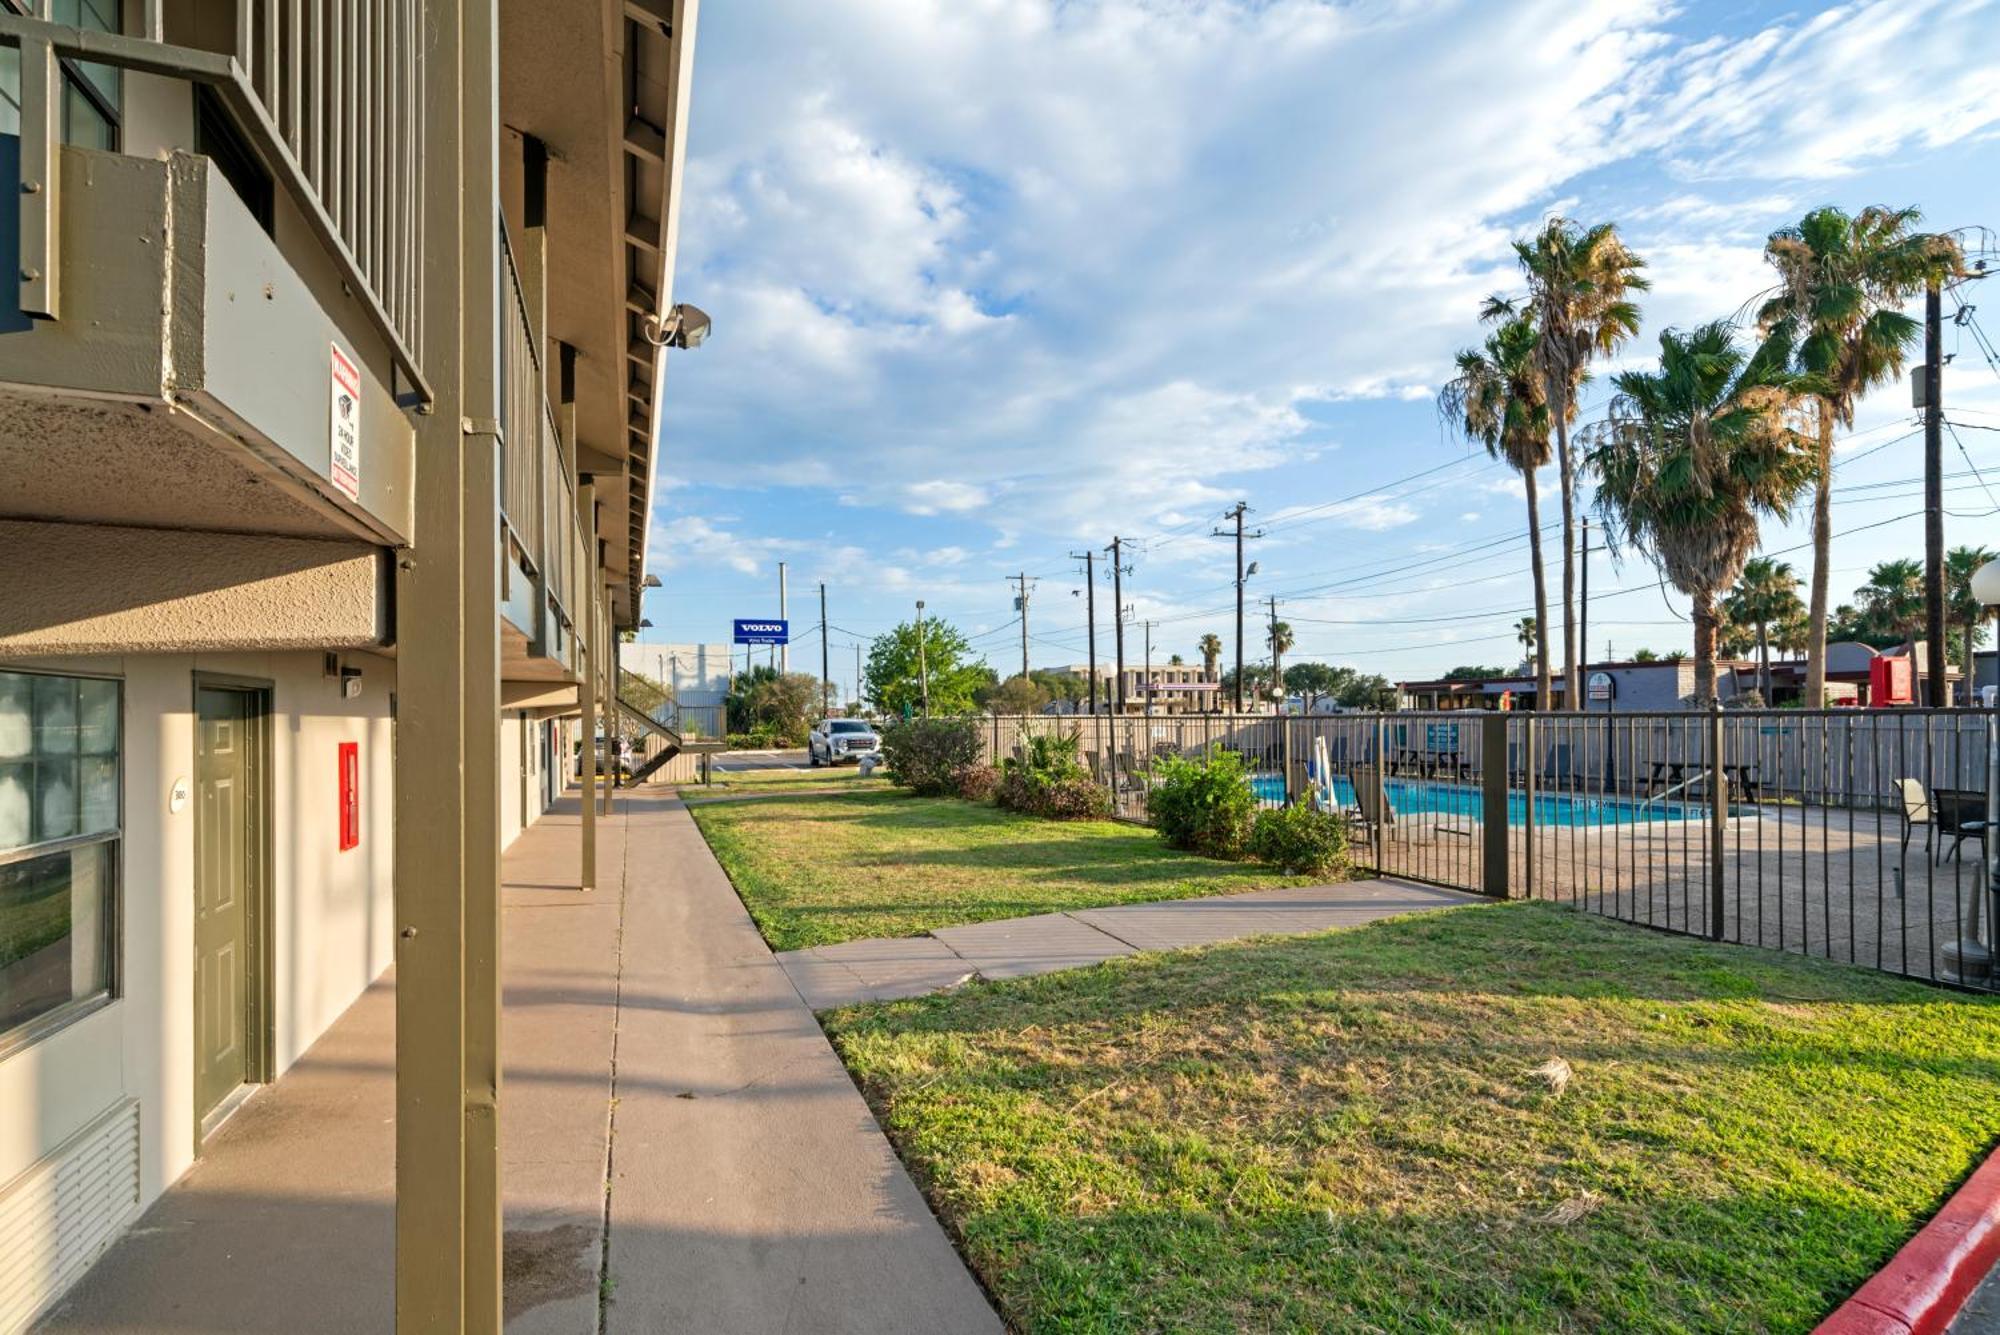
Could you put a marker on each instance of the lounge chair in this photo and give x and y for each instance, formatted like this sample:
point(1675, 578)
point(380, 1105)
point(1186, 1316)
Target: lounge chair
point(1917, 811)
point(1373, 813)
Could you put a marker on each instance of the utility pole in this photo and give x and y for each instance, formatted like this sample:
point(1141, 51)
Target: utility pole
point(1021, 602)
point(1933, 405)
point(1237, 512)
point(1149, 666)
point(857, 672)
point(923, 668)
point(1277, 668)
point(1578, 698)
point(1089, 560)
point(1117, 550)
point(784, 650)
point(825, 673)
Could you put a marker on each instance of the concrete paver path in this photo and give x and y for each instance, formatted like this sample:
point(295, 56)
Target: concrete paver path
point(661, 1076)
point(857, 971)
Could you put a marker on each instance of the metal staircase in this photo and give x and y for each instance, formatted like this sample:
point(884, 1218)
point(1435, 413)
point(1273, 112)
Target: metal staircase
point(674, 743)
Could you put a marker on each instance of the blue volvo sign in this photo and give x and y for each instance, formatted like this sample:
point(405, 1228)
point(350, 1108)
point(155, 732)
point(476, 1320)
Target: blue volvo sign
point(772, 631)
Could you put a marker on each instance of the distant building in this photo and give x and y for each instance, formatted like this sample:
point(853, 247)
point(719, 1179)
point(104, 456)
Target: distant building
point(1176, 688)
point(697, 673)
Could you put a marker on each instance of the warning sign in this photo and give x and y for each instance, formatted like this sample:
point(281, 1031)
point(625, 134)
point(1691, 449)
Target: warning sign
point(344, 429)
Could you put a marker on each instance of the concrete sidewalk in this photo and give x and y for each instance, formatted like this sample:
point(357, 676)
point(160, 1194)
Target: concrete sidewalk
point(748, 1187)
point(878, 970)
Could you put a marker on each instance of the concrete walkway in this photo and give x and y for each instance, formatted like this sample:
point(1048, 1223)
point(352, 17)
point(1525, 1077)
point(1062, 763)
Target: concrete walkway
point(878, 970)
point(661, 1074)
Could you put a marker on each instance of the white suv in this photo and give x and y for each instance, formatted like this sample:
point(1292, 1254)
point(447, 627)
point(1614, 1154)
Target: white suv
point(836, 739)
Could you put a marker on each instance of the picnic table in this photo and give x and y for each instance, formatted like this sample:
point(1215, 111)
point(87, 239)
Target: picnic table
point(1740, 775)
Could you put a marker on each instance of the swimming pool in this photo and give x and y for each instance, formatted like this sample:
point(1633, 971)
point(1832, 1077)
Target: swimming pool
point(1424, 797)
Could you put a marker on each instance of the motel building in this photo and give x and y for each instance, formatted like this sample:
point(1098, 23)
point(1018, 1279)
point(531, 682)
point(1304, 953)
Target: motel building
point(329, 396)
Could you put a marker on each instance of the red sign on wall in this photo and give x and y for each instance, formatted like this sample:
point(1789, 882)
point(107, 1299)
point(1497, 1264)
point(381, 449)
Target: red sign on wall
point(350, 795)
point(1889, 682)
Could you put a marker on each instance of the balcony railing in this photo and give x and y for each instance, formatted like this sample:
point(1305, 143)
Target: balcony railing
point(329, 93)
point(538, 510)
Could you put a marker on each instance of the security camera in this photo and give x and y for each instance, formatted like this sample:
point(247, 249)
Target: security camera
point(684, 326)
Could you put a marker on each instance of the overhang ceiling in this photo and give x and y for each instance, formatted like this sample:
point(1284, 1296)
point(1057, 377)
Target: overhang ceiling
point(605, 87)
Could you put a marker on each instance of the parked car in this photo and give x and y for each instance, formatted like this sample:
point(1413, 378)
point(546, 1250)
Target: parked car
point(615, 758)
point(836, 739)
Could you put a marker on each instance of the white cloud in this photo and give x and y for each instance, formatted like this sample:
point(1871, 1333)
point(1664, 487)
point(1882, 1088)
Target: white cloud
point(939, 496)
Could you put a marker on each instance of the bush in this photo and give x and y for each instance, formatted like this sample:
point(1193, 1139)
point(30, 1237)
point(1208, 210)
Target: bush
point(1048, 780)
point(925, 755)
point(1206, 806)
point(1299, 839)
point(977, 782)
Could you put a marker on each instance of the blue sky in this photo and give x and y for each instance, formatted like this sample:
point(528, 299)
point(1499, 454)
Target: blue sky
point(994, 280)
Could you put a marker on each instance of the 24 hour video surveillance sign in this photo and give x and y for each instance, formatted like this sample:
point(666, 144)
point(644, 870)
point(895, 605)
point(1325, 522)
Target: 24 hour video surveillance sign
point(763, 632)
point(344, 426)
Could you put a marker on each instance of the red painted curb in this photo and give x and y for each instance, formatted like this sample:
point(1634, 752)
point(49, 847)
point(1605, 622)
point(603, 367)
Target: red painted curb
point(1924, 1284)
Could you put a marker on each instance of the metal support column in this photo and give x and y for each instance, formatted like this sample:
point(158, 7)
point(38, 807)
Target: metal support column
point(586, 678)
point(430, 828)
point(480, 374)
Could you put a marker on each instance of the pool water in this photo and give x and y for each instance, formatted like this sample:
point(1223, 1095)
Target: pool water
point(1424, 797)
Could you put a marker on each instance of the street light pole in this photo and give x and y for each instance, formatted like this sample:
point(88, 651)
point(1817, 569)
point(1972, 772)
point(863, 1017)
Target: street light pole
point(1090, 618)
point(923, 669)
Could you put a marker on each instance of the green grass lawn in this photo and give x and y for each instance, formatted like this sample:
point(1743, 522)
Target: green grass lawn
point(842, 867)
point(1346, 1132)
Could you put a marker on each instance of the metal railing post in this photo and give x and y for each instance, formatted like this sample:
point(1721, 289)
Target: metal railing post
point(1718, 820)
point(1528, 868)
point(1381, 832)
point(1493, 803)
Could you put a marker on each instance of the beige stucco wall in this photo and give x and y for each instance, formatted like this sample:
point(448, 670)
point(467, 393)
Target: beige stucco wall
point(92, 589)
point(333, 910)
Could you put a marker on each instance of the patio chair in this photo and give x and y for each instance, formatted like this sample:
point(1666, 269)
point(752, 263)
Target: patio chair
point(1916, 803)
point(1373, 813)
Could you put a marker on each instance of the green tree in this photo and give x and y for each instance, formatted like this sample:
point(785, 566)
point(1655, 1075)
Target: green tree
point(1279, 637)
point(1580, 286)
point(1317, 681)
point(1372, 691)
point(1766, 595)
point(1691, 455)
point(1645, 656)
point(1211, 654)
point(1474, 672)
point(893, 677)
point(1499, 398)
point(1842, 283)
point(1016, 695)
point(781, 704)
point(1890, 606)
point(1962, 606)
point(1528, 631)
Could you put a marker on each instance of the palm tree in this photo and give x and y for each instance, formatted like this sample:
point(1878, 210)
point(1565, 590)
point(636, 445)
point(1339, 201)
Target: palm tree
point(1890, 606)
point(1841, 284)
point(1691, 455)
point(1528, 631)
point(1580, 285)
point(1499, 398)
point(1211, 654)
point(1962, 606)
point(1766, 594)
point(1280, 639)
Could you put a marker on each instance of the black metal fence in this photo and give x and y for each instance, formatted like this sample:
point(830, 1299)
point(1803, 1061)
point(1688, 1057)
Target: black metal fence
point(1856, 835)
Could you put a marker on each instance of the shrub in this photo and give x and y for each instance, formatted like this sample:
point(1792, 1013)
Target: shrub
point(1299, 839)
point(976, 782)
point(1203, 805)
point(1048, 780)
point(925, 755)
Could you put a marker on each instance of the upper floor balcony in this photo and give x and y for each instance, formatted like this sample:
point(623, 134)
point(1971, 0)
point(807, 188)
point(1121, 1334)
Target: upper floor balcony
point(217, 315)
